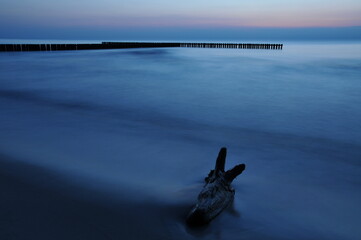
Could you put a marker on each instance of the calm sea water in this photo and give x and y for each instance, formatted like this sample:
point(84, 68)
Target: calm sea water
point(145, 125)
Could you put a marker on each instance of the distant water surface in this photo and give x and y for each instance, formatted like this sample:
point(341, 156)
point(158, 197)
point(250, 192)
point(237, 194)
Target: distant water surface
point(150, 122)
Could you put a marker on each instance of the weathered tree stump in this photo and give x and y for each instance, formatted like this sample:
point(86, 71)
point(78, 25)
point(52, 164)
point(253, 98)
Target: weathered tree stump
point(216, 194)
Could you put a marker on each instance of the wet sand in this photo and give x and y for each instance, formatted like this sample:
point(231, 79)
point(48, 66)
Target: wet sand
point(37, 203)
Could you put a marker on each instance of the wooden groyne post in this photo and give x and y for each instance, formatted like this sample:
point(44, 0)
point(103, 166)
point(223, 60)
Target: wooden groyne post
point(234, 45)
point(122, 45)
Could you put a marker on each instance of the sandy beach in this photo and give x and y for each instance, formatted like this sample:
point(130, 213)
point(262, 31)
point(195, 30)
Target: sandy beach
point(38, 203)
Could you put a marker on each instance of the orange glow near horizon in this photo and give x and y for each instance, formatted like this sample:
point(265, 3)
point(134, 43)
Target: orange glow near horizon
point(189, 14)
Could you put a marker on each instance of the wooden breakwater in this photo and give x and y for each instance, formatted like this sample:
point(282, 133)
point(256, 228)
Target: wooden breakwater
point(122, 45)
point(234, 45)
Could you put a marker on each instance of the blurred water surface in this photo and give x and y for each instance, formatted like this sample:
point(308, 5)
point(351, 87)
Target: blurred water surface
point(151, 122)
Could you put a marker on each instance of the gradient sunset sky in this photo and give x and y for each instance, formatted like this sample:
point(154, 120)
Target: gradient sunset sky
point(130, 19)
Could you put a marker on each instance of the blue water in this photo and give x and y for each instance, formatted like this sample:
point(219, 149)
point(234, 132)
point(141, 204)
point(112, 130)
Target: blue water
point(151, 122)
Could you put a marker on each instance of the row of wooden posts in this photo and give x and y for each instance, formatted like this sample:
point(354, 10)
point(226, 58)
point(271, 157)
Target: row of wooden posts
point(234, 45)
point(122, 45)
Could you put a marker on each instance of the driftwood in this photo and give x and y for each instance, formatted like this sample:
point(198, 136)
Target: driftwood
point(216, 194)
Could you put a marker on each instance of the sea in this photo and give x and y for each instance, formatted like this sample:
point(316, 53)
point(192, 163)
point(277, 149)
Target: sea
point(115, 144)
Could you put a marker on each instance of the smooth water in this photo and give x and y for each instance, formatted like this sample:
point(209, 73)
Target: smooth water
point(146, 125)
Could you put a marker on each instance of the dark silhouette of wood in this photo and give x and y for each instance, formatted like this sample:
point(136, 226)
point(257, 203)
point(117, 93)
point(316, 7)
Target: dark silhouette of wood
point(217, 193)
point(230, 175)
point(121, 45)
point(221, 160)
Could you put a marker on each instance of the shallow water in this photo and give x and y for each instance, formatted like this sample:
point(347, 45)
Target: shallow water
point(150, 122)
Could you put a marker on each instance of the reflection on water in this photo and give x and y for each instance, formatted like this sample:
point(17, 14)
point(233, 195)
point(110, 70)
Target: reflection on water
point(151, 121)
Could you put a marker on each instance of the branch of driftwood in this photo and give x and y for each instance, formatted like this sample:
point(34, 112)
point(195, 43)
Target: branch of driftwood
point(217, 193)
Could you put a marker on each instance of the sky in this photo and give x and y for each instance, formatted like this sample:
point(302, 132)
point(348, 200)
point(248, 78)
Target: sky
point(208, 19)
